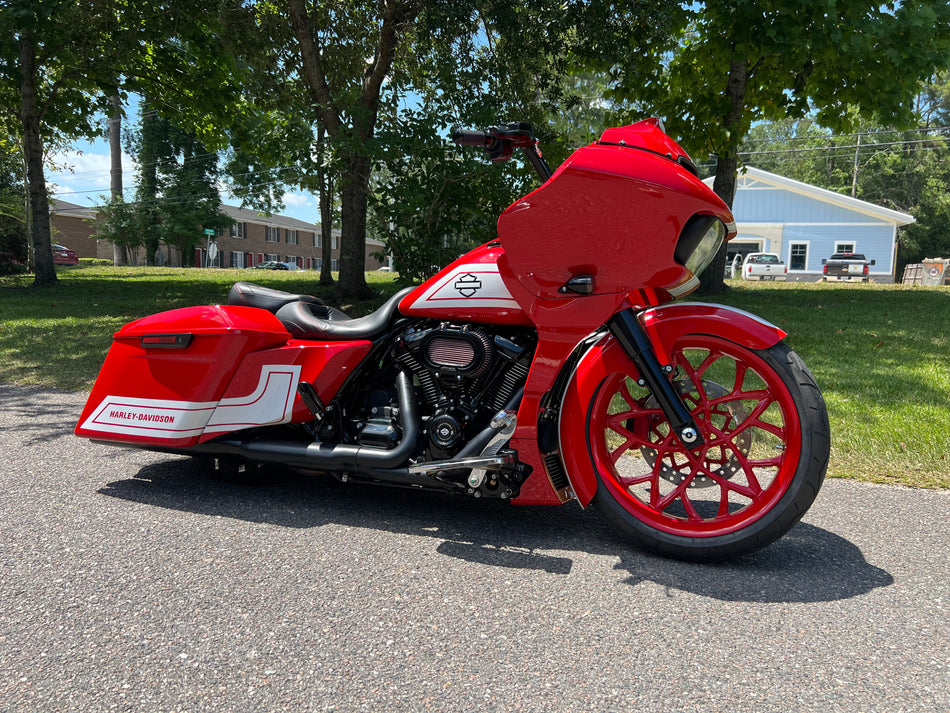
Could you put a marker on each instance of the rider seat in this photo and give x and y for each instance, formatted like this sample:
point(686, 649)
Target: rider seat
point(247, 294)
point(309, 321)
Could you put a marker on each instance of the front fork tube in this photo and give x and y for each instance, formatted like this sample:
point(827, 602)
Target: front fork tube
point(628, 331)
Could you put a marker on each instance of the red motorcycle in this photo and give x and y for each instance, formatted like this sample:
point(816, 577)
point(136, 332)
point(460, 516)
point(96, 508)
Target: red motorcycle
point(545, 366)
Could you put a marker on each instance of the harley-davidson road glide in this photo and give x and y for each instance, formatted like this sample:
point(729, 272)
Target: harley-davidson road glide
point(551, 364)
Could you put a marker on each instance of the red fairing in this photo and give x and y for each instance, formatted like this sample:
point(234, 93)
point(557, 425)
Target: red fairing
point(665, 325)
point(646, 134)
point(611, 210)
point(470, 289)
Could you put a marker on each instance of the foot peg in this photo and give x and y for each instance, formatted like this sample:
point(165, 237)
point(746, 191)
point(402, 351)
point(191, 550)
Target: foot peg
point(311, 400)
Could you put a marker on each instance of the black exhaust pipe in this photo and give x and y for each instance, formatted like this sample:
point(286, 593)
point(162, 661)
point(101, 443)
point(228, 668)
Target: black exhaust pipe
point(362, 463)
point(334, 457)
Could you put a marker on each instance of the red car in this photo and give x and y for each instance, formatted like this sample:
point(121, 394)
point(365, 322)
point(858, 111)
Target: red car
point(64, 256)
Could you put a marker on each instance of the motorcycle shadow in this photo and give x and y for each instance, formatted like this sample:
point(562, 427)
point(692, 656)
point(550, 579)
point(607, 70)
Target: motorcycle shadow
point(809, 564)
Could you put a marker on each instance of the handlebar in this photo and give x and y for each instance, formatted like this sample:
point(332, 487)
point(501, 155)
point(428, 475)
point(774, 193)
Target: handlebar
point(470, 137)
point(500, 141)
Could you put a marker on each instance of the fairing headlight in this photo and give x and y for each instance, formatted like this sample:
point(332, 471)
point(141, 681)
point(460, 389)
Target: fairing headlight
point(699, 242)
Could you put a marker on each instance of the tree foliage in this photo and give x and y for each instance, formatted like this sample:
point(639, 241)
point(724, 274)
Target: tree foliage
point(63, 61)
point(177, 193)
point(908, 171)
point(13, 234)
point(740, 62)
point(53, 56)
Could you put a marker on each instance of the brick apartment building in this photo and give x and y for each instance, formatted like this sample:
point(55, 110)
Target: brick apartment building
point(253, 239)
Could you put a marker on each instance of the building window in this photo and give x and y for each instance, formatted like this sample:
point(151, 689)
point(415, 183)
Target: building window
point(798, 256)
point(237, 259)
point(317, 240)
point(271, 257)
point(333, 265)
point(334, 242)
point(291, 259)
point(318, 263)
point(239, 230)
point(272, 234)
point(844, 247)
point(291, 237)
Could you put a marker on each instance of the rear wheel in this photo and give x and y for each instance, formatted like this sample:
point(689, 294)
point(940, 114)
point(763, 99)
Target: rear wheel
point(764, 457)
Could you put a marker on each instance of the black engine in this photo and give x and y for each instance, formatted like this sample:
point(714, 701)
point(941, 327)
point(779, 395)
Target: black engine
point(466, 374)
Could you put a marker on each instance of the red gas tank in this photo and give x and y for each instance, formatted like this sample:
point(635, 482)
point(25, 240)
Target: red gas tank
point(471, 289)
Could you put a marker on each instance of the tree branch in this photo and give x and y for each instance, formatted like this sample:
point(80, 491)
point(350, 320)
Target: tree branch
point(396, 14)
point(313, 67)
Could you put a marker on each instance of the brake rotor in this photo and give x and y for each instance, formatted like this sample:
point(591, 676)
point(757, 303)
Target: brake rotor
point(731, 464)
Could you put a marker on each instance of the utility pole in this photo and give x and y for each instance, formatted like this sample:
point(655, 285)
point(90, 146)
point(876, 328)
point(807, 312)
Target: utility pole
point(854, 179)
point(120, 255)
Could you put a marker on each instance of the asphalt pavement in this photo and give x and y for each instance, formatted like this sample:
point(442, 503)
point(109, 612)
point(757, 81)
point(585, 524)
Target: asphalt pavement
point(132, 581)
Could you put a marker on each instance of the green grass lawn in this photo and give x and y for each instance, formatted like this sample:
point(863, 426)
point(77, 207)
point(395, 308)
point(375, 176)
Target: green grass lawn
point(881, 353)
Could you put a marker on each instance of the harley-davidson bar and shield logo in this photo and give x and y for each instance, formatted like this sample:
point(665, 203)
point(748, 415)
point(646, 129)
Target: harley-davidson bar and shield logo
point(467, 285)
point(470, 286)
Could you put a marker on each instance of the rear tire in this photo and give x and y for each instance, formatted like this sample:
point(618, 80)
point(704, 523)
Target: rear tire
point(766, 451)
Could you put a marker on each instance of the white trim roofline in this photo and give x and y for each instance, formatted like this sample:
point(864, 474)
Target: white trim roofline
point(823, 194)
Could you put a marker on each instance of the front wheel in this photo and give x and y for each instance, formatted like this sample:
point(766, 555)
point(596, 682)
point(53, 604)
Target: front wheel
point(765, 454)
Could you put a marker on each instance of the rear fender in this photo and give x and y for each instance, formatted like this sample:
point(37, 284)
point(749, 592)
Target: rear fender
point(664, 325)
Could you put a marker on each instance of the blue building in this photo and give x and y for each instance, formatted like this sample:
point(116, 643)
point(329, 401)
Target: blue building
point(805, 224)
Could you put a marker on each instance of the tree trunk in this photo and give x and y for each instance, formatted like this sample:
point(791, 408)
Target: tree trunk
point(326, 235)
point(352, 282)
point(149, 155)
point(397, 17)
point(120, 255)
point(43, 270)
point(325, 185)
point(727, 164)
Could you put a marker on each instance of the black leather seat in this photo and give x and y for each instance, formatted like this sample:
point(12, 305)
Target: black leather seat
point(246, 294)
point(309, 321)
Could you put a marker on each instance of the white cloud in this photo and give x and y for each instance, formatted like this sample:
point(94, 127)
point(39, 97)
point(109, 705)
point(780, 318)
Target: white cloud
point(87, 175)
point(299, 200)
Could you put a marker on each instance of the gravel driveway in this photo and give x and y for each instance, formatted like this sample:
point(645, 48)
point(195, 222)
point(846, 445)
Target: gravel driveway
point(131, 581)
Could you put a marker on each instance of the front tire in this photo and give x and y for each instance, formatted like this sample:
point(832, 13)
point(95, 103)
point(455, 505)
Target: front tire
point(767, 442)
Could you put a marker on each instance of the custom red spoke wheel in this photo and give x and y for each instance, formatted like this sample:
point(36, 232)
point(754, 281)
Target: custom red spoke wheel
point(764, 456)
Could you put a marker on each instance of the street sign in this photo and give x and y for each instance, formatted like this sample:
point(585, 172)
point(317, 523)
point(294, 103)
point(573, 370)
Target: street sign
point(209, 231)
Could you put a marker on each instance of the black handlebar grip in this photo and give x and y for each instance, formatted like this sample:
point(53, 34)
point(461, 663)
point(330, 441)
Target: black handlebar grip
point(469, 137)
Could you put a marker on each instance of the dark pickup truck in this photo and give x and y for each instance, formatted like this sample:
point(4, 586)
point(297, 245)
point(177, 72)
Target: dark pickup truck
point(846, 267)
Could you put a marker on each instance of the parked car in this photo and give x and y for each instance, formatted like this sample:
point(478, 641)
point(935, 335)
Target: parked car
point(275, 265)
point(64, 256)
point(763, 266)
point(846, 267)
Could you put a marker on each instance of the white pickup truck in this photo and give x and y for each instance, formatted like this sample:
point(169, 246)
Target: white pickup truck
point(763, 266)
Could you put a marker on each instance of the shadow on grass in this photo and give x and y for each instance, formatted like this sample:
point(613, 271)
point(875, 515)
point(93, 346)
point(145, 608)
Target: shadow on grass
point(808, 565)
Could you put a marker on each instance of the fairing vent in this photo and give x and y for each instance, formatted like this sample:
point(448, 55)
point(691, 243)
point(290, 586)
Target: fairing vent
point(552, 461)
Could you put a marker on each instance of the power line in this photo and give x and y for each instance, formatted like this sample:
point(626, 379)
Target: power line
point(832, 137)
point(923, 143)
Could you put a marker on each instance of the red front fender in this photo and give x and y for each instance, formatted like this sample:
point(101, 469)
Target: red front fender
point(664, 325)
